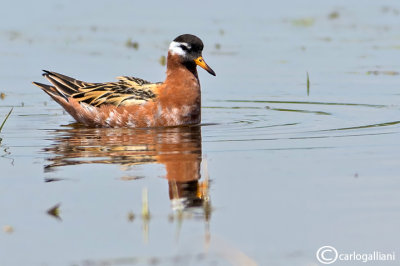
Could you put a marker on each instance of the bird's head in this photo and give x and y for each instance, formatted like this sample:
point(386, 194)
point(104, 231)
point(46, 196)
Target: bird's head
point(189, 49)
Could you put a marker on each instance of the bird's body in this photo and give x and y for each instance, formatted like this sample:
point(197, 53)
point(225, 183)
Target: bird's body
point(133, 102)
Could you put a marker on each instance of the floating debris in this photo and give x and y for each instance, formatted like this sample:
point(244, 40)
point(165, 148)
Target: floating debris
point(333, 15)
point(52, 179)
point(2, 124)
point(388, 9)
point(221, 32)
point(129, 178)
point(326, 39)
point(377, 72)
point(2, 95)
point(217, 46)
point(55, 211)
point(8, 229)
point(162, 60)
point(13, 35)
point(308, 85)
point(131, 44)
point(303, 22)
point(131, 216)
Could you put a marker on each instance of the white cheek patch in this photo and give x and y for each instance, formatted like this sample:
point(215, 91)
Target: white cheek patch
point(175, 48)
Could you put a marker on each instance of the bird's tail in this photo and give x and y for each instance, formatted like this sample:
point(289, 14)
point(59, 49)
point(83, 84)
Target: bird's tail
point(63, 86)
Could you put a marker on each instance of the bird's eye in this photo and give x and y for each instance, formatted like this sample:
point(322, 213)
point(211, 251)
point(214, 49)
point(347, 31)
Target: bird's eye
point(184, 47)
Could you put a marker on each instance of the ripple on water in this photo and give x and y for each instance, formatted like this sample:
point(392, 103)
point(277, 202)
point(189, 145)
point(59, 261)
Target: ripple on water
point(263, 122)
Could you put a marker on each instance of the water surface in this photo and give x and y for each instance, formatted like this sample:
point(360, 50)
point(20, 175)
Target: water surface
point(273, 173)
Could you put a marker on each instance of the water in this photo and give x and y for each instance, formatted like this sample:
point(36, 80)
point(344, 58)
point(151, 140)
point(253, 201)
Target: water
point(270, 176)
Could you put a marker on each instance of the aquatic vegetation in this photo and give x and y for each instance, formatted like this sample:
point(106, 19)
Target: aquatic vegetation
point(145, 215)
point(54, 179)
point(162, 60)
point(204, 191)
point(306, 102)
point(131, 44)
point(303, 22)
point(14, 35)
point(55, 211)
point(333, 15)
point(326, 39)
point(145, 205)
point(130, 216)
point(8, 115)
point(390, 10)
point(130, 178)
point(377, 72)
point(308, 84)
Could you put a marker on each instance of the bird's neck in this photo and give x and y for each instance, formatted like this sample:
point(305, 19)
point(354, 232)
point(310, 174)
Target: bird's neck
point(178, 70)
point(181, 90)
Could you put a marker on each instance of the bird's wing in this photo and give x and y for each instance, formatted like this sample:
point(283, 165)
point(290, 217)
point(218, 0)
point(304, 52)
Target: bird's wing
point(121, 93)
point(126, 91)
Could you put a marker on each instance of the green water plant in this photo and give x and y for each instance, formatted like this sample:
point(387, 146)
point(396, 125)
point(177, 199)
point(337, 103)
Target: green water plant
point(308, 84)
point(303, 22)
point(162, 60)
point(145, 215)
point(131, 44)
point(2, 124)
point(55, 211)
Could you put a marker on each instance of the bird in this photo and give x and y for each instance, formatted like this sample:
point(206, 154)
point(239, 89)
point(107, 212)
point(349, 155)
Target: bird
point(134, 102)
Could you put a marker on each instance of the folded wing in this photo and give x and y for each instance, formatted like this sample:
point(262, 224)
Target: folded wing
point(124, 92)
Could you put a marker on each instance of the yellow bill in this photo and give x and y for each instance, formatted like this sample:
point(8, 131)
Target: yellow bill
point(200, 62)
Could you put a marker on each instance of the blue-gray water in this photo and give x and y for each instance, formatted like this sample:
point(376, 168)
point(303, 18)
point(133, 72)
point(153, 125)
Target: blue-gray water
point(288, 172)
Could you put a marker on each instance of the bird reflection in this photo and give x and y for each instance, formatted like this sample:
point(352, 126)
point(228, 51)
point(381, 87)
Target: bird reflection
point(177, 148)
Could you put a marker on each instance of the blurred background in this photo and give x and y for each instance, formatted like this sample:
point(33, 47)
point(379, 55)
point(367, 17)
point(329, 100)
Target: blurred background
point(299, 146)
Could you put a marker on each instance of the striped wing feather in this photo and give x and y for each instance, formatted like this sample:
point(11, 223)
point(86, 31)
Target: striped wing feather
point(126, 91)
